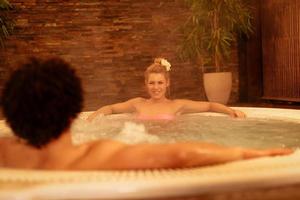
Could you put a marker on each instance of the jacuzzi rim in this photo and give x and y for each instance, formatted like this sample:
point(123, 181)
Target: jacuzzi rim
point(251, 112)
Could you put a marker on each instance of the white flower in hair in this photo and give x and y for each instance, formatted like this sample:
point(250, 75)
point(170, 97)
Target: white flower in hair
point(166, 64)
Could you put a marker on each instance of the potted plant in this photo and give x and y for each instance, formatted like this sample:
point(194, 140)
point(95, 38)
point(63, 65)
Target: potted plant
point(6, 24)
point(209, 35)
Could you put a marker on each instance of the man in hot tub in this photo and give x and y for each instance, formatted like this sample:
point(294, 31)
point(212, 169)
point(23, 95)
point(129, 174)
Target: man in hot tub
point(42, 98)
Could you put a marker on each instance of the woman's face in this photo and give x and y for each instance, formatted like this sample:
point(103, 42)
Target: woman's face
point(157, 85)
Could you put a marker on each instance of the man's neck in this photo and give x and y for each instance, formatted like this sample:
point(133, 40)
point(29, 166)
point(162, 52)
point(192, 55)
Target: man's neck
point(64, 140)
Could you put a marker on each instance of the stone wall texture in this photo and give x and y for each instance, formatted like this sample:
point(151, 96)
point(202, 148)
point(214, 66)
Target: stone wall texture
point(110, 43)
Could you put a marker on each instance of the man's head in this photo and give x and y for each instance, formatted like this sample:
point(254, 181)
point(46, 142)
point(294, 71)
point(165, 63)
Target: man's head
point(40, 99)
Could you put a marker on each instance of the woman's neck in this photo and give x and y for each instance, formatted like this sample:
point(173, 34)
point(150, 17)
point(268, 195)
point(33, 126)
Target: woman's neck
point(161, 100)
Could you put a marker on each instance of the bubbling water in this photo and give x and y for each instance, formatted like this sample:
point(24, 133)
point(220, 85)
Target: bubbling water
point(249, 132)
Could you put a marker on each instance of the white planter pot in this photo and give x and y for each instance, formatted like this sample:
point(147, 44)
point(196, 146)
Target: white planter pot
point(218, 86)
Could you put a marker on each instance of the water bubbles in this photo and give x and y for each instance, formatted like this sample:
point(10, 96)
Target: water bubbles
point(249, 132)
point(133, 133)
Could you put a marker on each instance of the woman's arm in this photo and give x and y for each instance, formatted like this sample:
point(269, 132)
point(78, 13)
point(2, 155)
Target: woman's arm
point(124, 107)
point(189, 106)
point(217, 107)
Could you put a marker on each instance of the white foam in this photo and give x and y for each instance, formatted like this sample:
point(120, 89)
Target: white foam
point(134, 133)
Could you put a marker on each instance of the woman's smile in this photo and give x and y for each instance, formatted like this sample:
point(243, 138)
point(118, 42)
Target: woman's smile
point(157, 85)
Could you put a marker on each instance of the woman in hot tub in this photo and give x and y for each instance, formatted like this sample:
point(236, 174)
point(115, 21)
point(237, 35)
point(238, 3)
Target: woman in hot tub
point(158, 106)
point(43, 97)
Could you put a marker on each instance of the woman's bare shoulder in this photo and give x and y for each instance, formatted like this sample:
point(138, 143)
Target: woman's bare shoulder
point(137, 100)
point(180, 101)
point(183, 105)
point(187, 101)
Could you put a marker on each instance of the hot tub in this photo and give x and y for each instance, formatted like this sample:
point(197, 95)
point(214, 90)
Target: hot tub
point(235, 176)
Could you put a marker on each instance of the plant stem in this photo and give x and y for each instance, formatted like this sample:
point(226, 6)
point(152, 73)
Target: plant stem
point(216, 35)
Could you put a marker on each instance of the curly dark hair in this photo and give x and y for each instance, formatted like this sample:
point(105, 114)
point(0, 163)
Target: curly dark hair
point(40, 99)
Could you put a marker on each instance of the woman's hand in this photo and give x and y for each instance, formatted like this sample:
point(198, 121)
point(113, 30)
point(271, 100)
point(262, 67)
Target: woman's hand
point(237, 114)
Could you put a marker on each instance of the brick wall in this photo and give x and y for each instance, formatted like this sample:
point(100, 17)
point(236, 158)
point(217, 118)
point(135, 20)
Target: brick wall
point(110, 43)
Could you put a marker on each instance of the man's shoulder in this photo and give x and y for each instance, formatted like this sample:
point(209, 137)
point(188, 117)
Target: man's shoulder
point(99, 154)
point(7, 141)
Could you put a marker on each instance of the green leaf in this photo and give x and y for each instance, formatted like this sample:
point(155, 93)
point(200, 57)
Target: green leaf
point(6, 24)
point(212, 27)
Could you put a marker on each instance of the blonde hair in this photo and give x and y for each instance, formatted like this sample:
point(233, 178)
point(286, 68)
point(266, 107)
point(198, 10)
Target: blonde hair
point(157, 67)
